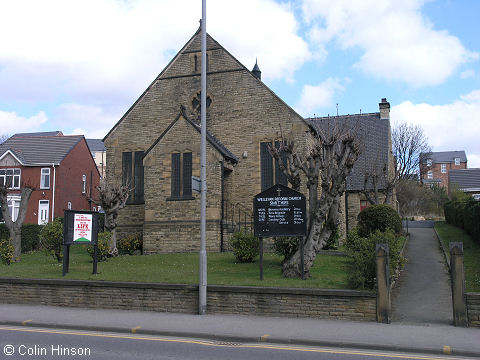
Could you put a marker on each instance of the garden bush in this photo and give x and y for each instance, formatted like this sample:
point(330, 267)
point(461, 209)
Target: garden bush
point(129, 244)
point(6, 251)
point(31, 237)
point(103, 244)
point(285, 246)
point(245, 246)
point(464, 214)
point(378, 217)
point(51, 238)
point(362, 251)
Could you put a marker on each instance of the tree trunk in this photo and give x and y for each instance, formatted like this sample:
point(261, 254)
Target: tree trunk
point(319, 234)
point(15, 227)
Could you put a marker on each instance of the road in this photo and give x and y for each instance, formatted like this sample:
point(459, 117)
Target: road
point(41, 343)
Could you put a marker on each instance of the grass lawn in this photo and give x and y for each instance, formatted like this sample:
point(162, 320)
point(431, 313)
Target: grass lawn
point(449, 233)
point(328, 271)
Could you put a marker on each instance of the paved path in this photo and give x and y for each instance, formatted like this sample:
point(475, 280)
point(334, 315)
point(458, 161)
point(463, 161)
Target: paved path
point(422, 294)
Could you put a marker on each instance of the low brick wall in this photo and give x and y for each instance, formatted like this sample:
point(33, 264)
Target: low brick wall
point(473, 309)
point(315, 303)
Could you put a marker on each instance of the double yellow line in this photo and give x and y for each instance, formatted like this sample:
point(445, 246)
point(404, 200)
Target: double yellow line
point(212, 343)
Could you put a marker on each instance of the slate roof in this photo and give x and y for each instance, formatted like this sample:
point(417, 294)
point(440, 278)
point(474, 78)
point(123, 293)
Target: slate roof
point(45, 133)
point(444, 156)
point(466, 179)
point(373, 134)
point(40, 150)
point(96, 145)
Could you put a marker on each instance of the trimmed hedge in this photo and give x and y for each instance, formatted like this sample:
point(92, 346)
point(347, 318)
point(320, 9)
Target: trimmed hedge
point(362, 250)
point(378, 217)
point(465, 215)
point(30, 236)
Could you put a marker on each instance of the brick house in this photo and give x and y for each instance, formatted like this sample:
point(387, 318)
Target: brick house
point(435, 166)
point(155, 147)
point(59, 168)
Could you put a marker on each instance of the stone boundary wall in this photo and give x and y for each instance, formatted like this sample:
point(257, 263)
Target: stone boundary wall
point(241, 300)
point(473, 309)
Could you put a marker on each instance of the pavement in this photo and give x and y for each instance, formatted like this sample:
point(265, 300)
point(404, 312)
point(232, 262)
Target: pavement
point(415, 338)
point(423, 294)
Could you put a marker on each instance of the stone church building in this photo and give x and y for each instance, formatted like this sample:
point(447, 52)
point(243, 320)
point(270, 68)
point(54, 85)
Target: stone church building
point(155, 147)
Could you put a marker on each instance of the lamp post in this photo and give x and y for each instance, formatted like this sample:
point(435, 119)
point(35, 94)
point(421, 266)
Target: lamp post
point(202, 288)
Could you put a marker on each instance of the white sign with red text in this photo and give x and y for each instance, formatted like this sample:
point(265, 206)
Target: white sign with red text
point(82, 228)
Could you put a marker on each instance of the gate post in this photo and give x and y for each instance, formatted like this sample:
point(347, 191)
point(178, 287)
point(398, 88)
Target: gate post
point(458, 284)
point(384, 304)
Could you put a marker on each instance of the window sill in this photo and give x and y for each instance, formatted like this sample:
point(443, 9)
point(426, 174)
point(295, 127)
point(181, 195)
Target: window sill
point(184, 198)
point(135, 202)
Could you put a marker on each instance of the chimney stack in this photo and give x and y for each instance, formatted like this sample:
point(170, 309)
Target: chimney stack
point(384, 109)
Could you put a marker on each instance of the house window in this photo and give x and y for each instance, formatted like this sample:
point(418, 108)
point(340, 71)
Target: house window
point(270, 172)
point(10, 178)
point(181, 179)
point(45, 179)
point(13, 206)
point(457, 161)
point(430, 175)
point(429, 162)
point(444, 168)
point(132, 175)
point(84, 183)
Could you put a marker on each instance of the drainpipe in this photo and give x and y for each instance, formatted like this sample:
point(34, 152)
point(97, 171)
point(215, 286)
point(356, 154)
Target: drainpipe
point(53, 193)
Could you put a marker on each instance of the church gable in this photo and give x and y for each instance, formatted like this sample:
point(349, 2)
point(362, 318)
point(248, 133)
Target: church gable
point(188, 61)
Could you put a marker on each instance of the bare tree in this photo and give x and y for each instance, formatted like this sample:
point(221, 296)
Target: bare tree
point(15, 227)
point(408, 144)
point(112, 198)
point(327, 160)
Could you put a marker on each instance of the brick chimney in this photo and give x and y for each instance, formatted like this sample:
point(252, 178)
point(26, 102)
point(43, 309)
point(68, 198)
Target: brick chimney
point(384, 109)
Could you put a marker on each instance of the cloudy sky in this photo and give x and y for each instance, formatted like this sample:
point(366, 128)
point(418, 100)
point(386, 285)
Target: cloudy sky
point(77, 66)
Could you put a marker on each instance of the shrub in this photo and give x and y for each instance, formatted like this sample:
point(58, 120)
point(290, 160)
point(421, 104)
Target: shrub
point(51, 238)
point(103, 245)
point(362, 251)
point(332, 242)
point(31, 237)
point(129, 244)
point(285, 246)
point(378, 217)
point(6, 251)
point(245, 246)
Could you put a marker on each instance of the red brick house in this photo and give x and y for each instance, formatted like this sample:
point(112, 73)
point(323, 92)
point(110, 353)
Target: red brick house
point(435, 166)
point(59, 168)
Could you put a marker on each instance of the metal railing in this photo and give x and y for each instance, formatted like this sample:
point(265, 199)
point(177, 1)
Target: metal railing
point(237, 217)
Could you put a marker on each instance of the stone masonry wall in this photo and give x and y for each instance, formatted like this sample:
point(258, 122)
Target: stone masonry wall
point(314, 303)
point(473, 309)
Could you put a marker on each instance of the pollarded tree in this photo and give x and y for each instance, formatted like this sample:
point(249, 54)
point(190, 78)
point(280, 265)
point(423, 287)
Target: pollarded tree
point(327, 160)
point(15, 227)
point(112, 198)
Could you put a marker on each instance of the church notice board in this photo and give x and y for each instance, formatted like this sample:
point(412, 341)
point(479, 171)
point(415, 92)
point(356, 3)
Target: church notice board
point(279, 211)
